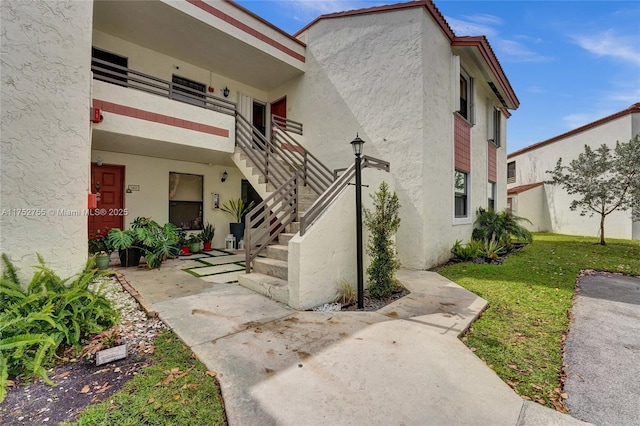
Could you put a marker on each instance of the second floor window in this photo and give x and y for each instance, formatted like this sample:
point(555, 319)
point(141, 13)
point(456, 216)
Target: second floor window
point(511, 172)
point(188, 91)
point(466, 96)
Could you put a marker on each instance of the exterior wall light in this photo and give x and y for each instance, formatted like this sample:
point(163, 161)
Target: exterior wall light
point(225, 175)
point(225, 92)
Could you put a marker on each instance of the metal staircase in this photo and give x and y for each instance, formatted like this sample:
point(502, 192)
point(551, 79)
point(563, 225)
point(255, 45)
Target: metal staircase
point(289, 179)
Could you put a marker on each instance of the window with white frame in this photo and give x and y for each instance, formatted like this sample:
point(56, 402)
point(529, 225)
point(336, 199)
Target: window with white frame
point(461, 189)
point(466, 96)
point(491, 196)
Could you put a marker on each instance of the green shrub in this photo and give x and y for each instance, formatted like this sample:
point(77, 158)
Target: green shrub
point(468, 251)
point(492, 249)
point(383, 222)
point(502, 227)
point(50, 312)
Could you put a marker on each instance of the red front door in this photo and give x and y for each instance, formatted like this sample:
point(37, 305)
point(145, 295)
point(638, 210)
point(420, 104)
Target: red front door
point(107, 181)
point(279, 108)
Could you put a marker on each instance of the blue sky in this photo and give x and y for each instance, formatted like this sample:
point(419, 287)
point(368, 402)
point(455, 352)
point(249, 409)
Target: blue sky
point(570, 62)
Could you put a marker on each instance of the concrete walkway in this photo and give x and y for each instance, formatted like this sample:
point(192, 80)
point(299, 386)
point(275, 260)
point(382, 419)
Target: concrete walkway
point(602, 351)
point(402, 365)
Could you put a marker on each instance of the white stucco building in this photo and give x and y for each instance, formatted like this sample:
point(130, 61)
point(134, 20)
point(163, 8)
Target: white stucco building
point(149, 103)
point(547, 206)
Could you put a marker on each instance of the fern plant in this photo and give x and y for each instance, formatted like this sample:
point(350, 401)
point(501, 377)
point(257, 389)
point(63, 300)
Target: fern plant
point(51, 311)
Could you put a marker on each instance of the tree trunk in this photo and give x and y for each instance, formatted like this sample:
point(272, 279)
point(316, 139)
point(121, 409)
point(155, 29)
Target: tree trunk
point(602, 242)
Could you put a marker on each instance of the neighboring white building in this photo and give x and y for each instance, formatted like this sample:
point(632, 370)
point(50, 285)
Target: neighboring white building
point(182, 90)
point(547, 206)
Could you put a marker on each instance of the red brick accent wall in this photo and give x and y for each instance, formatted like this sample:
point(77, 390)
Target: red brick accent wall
point(492, 154)
point(159, 118)
point(462, 141)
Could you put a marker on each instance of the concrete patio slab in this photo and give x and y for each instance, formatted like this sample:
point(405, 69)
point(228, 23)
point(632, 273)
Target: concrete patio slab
point(166, 282)
point(220, 260)
point(218, 269)
point(222, 310)
point(228, 277)
point(277, 366)
point(435, 301)
point(247, 359)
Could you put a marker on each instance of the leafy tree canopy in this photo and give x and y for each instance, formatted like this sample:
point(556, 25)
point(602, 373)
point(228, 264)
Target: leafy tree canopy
point(603, 180)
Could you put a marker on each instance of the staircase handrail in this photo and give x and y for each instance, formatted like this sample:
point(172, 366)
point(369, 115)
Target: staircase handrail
point(264, 155)
point(313, 172)
point(281, 205)
point(332, 192)
point(290, 125)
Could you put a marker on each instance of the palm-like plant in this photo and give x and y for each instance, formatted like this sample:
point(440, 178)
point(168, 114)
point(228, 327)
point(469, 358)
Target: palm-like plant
point(502, 227)
point(236, 208)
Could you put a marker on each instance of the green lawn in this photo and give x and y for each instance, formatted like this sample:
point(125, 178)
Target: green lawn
point(520, 335)
point(175, 389)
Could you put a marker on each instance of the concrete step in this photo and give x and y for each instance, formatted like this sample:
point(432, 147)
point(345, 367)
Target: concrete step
point(275, 288)
point(293, 228)
point(284, 238)
point(273, 267)
point(279, 252)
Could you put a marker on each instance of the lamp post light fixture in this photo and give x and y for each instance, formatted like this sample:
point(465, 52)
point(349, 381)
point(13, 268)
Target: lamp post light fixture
point(356, 144)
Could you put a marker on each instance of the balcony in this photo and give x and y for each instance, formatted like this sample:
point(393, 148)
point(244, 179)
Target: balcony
point(218, 36)
point(146, 115)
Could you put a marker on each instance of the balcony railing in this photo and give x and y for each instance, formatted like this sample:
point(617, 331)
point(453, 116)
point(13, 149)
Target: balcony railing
point(126, 77)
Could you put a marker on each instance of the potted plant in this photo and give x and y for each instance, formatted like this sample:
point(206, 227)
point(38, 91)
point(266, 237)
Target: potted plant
point(156, 242)
point(125, 242)
point(184, 244)
point(100, 248)
point(148, 238)
point(194, 243)
point(208, 231)
point(237, 209)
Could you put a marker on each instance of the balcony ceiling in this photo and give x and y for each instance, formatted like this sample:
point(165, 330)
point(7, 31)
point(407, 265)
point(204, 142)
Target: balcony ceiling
point(127, 144)
point(160, 27)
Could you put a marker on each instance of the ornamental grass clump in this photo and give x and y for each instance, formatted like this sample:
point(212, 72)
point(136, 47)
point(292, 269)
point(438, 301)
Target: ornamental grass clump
point(50, 312)
point(382, 222)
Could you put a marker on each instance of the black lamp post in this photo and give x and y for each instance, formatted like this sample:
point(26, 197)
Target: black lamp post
point(356, 144)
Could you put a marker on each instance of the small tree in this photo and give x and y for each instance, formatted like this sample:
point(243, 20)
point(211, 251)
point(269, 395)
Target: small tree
point(383, 222)
point(605, 180)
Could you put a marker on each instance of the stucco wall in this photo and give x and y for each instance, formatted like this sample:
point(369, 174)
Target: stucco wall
point(532, 205)
point(45, 51)
point(364, 75)
point(326, 253)
point(152, 175)
point(126, 125)
point(531, 167)
point(388, 77)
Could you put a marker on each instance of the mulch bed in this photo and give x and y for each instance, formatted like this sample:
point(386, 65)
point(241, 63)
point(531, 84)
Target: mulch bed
point(77, 385)
point(373, 304)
